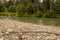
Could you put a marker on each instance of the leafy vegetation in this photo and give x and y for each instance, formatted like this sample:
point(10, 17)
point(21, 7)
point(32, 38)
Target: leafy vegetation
point(32, 8)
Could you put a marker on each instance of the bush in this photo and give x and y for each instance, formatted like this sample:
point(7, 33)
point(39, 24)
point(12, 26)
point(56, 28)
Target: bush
point(20, 9)
point(12, 8)
point(49, 14)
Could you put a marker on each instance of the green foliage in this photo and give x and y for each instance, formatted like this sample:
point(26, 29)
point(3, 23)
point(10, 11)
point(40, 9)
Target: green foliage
point(49, 14)
point(33, 8)
point(20, 9)
point(12, 8)
point(1, 7)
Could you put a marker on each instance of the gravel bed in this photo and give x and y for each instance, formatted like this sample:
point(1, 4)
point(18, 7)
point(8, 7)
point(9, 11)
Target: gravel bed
point(8, 26)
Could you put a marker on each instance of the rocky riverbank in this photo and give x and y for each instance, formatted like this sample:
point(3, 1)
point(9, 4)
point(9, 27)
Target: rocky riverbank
point(8, 26)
